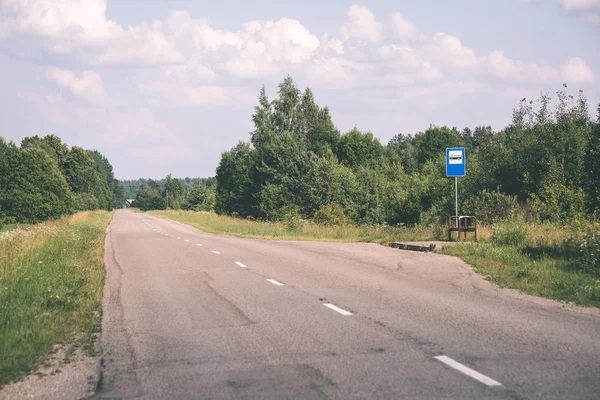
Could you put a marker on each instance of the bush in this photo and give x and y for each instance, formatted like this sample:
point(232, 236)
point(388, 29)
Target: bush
point(491, 206)
point(510, 234)
point(331, 214)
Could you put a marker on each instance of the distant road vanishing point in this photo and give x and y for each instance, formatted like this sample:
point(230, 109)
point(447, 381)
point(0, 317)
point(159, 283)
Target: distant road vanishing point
point(194, 315)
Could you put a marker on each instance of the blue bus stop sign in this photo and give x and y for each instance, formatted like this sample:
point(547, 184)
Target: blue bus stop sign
point(456, 163)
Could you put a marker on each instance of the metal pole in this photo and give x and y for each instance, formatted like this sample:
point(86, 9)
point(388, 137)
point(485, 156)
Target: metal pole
point(456, 203)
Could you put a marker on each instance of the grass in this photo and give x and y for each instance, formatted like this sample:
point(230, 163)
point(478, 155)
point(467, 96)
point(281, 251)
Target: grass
point(535, 259)
point(51, 278)
point(304, 230)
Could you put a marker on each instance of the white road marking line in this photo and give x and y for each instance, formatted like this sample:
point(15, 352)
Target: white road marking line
point(239, 264)
point(335, 308)
point(198, 244)
point(468, 371)
point(273, 281)
point(186, 240)
point(216, 252)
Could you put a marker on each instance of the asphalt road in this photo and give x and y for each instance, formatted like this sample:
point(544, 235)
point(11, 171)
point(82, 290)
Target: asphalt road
point(190, 315)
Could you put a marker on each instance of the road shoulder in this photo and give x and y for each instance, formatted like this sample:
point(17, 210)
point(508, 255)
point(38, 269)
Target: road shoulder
point(60, 380)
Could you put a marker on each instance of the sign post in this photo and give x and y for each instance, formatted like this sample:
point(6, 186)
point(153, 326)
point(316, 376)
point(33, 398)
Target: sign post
point(456, 165)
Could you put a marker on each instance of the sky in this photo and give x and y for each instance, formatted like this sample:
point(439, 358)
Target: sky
point(166, 86)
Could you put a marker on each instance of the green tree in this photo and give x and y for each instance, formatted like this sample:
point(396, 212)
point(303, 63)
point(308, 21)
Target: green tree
point(592, 167)
point(32, 187)
point(200, 198)
point(174, 189)
point(234, 181)
point(356, 149)
point(149, 198)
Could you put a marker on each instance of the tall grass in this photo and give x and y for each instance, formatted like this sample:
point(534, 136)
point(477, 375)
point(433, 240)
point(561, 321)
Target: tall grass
point(552, 261)
point(300, 230)
point(51, 277)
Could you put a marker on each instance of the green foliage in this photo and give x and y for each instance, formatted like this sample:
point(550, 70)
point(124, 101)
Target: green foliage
point(585, 248)
point(44, 179)
point(150, 198)
point(297, 162)
point(331, 214)
point(491, 206)
point(174, 189)
point(32, 187)
point(356, 149)
point(510, 234)
point(200, 198)
point(85, 201)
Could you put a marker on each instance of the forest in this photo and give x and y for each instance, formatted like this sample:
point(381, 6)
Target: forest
point(44, 179)
point(543, 167)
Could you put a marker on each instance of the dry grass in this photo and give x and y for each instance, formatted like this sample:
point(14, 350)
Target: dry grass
point(303, 230)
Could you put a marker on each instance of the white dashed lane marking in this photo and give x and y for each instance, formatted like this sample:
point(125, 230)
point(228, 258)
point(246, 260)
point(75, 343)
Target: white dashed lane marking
point(198, 244)
point(239, 264)
point(216, 252)
point(187, 240)
point(468, 371)
point(337, 309)
point(273, 281)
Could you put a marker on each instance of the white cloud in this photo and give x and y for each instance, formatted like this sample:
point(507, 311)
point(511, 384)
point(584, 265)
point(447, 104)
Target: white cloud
point(580, 4)
point(88, 85)
point(576, 71)
point(337, 73)
point(402, 27)
point(185, 62)
point(448, 50)
point(361, 25)
point(519, 71)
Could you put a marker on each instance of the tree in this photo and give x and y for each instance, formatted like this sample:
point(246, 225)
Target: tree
point(200, 198)
point(174, 189)
point(149, 198)
point(592, 168)
point(356, 149)
point(234, 181)
point(32, 187)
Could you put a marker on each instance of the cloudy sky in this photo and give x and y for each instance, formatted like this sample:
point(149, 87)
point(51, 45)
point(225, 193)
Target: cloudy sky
point(164, 86)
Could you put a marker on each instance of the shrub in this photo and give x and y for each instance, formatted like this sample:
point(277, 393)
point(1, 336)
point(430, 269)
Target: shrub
point(491, 206)
point(331, 214)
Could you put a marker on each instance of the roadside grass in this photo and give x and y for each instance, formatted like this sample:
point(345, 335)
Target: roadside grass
point(538, 259)
point(299, 230)
point(51, 277)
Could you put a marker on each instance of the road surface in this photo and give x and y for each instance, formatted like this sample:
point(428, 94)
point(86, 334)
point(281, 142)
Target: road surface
point(194, 315)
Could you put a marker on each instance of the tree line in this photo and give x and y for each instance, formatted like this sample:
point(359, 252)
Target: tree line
point(45, 179)
point(196, 194)
point(131, 187)
point(544, 166)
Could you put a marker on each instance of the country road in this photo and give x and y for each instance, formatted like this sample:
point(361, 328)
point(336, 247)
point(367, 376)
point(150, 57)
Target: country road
point(191, 315)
